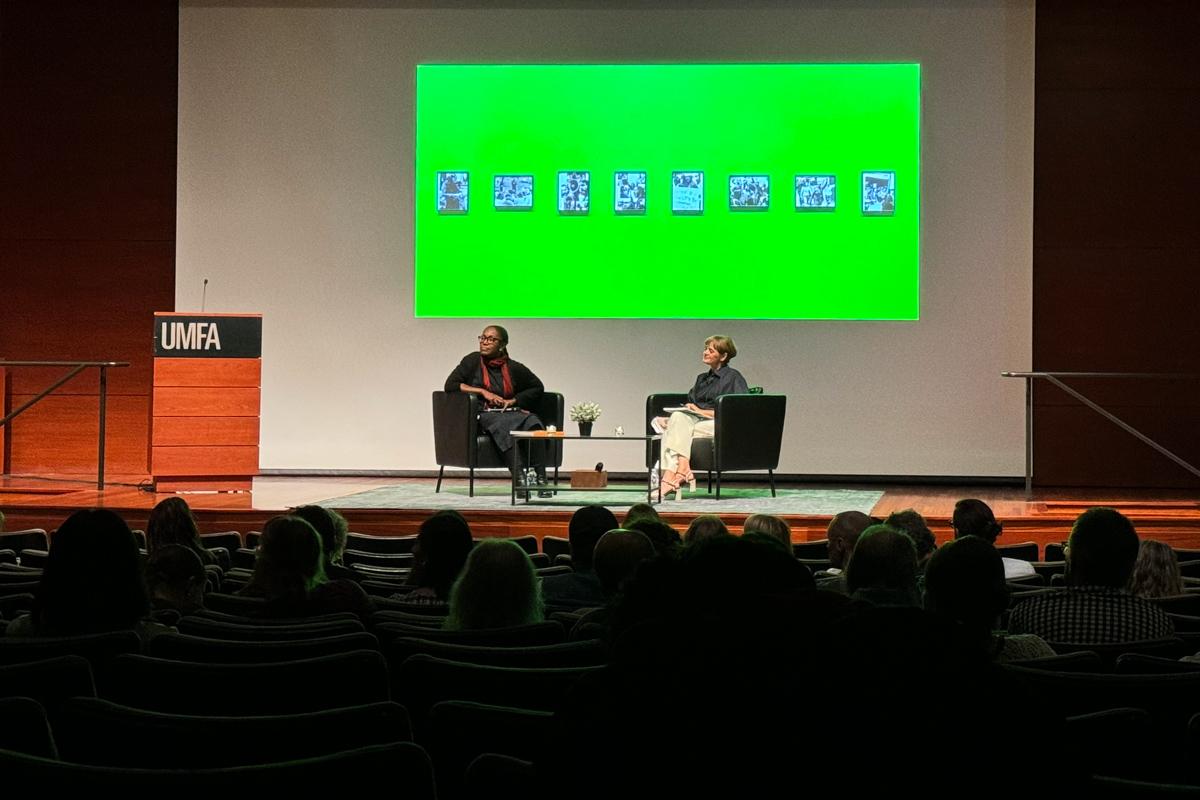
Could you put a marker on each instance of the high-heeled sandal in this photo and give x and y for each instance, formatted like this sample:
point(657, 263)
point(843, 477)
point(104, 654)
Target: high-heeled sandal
point(689, 478)
point(666, 486)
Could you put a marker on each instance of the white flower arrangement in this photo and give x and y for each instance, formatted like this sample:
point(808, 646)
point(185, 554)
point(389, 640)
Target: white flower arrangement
point(585, 412)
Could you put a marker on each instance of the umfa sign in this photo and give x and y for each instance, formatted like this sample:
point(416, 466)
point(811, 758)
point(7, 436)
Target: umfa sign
point(209, 336)
point(190, 336)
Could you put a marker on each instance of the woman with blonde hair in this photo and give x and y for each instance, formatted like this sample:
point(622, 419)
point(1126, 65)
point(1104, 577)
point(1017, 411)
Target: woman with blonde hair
point(696, 421)
point(498, 588)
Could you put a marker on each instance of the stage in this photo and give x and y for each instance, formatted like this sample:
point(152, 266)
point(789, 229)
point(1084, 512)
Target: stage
point(1046, 516)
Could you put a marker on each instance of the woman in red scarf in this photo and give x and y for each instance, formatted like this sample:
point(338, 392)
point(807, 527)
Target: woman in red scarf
point(505, 386)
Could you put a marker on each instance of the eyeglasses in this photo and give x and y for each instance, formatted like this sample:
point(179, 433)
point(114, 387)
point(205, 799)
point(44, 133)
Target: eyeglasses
point(489, 339)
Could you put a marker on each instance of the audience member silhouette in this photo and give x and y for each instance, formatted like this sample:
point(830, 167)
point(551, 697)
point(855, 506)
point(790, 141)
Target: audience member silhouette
point(171, 522)
point(636, 512)
point(92, 581)
point(443, 544)
point(580, 588)
point(498, 588)
point(289, 574)
point(703, 527)
point(912, 523)
point(964, 582)
point(332, 528)
point(175, 580)
point(842, 533)
point(1156, 571)
point(1096, 607)
point(883, 568)
point(975, 518)
point(769, 525)
point(617, 556)
point(666, 540)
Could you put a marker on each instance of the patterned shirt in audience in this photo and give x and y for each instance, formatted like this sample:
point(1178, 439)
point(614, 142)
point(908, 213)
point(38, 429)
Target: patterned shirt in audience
point(1091, 615)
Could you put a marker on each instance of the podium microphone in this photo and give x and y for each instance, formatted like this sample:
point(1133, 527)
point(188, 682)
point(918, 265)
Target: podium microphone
point(203, 295)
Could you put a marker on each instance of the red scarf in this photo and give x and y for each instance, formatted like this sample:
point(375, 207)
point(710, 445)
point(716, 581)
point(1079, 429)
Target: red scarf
point(502, 363)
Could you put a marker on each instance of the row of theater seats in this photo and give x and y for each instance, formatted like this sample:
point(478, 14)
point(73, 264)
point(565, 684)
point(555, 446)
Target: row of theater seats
point(226, 692)
point(230, 696)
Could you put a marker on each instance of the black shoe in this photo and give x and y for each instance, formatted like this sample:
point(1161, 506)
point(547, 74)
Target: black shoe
point(523, 479)
point(541, 481)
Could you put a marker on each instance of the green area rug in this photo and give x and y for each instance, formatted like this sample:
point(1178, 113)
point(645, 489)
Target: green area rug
point(735, 499)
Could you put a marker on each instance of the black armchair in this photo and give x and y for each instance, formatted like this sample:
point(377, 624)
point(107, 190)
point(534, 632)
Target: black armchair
point(458, 442)
point(748, 434)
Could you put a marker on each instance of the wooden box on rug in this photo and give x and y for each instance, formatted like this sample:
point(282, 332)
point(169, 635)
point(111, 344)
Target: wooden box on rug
point(588, 479)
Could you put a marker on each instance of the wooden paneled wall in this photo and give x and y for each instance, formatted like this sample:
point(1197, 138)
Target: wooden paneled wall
point(1116, 262)
point(88, 99)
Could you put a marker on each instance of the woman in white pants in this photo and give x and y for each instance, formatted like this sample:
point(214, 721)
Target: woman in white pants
point(697, 420)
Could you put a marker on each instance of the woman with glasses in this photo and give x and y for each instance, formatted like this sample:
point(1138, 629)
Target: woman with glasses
point(508, 389)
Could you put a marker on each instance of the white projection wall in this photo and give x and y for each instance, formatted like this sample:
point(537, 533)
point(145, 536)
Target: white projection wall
point(295, 200)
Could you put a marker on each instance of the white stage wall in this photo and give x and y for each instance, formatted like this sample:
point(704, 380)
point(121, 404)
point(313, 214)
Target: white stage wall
point(295, 200)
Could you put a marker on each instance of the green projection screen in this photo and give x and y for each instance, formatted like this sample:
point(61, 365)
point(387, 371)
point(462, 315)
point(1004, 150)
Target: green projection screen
point(720, 191)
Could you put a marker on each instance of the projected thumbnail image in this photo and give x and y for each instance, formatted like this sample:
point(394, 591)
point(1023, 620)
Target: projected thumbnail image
point(749, 192)
point(687, 192)
point(629, 192)
point(816, 192)
point(452, 192)
point(513, 192)
point(574, 192)
point(879, 193)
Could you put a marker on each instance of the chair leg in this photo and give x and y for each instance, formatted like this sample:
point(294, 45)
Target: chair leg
point(718, 485)
point(471, 483)
point(771, 475)
point(438, 488)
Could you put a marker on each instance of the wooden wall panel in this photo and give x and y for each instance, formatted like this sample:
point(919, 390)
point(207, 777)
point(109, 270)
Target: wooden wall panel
point(212, 430)
point(207, 372)
point(88, 95)
point(204, 460)
point(1117, 111)
point(204, 402)
point(59, 435)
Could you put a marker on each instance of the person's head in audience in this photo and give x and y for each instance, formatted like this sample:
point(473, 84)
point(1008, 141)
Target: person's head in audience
point(587, 525)
point(175, 579)
point(290, 560)
point(636, 512)
point(965, 582)
point(498, 588)
point(975, 518)
point(443, 544)
point(883, 568)
point(917, 529)
point(617, 555)
point(843, 532)
point(92, 581)
point(1156, 571)
point(1102, 549)
point(771, 526)
point(171, 522)
point(705, 526)
point(666, 540)
point(330, 526)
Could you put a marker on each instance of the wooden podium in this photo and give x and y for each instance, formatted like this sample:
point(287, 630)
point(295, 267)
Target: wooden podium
point(204, 410)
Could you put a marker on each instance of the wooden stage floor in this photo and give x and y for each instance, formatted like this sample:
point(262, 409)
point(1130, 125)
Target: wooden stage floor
point(1046, 516)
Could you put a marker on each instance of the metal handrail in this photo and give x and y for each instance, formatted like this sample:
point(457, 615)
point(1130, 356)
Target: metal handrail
point(77, 367)
point(1053, 378)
